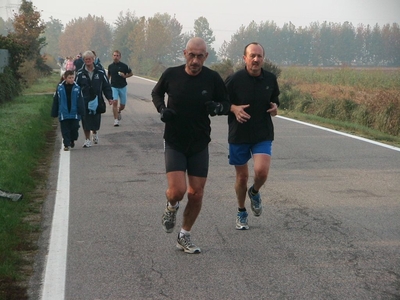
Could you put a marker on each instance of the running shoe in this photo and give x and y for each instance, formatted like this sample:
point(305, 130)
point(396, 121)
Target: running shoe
point(184, 243)
point(87, 143)
point(95, 138)
point(72, 144)
point(255, 200)
point(66, 148)
point(116, 123)
point(241, 220)
point(169, 218)
point(119, 116)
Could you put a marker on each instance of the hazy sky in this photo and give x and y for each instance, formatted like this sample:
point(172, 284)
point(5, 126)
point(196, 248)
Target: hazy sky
point(224, 16)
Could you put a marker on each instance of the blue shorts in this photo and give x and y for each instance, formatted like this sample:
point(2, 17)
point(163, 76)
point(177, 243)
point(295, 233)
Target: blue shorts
point(239, 154)
point(119, 93)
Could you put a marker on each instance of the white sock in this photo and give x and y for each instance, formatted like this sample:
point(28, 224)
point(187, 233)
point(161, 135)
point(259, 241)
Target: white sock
point(183, 232)
point(173, 207)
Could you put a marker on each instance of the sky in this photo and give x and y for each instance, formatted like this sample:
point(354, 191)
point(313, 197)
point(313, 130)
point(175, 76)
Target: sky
point(224, 16)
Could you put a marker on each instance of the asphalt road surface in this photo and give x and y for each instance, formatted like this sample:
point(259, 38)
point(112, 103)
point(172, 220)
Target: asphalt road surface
point(330, 227)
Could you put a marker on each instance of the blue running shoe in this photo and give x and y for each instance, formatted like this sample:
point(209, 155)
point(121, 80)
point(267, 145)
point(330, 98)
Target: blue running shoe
point(241, 220)
point(256, 206)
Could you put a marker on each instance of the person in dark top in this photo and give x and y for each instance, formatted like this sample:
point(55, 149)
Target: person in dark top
point(97, 61)
point(117, 73)
point(78, 62)
point(253, 93)
point(94, 84)
point(194, 92)
point(68, 106)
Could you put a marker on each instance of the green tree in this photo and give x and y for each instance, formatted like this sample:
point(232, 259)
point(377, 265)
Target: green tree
point(391, 42)
point(202, 29)
point(325, 43)
point(234, 50)
point(345, 43)
point(90, 33)
point(136, 42)
point(376, 47)
point(174, 44)
point(178, 43)
point(52, 33)
point(28, 29)
point(287, 43)
point(303, 46)
point(124, 25)
point(158, 39)
point(267, 34)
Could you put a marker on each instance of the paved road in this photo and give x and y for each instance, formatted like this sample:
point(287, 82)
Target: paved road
point(330, 228)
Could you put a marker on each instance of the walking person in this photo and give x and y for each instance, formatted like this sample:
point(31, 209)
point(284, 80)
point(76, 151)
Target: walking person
point(68, 106)
point(117, 73)
point(94, 83)
point(253, 93)
point(194, 92)
point(69, 66)
point(78, 62)
point(97, 62)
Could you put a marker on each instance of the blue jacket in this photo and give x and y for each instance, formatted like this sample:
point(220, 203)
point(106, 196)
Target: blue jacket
point(60, 103)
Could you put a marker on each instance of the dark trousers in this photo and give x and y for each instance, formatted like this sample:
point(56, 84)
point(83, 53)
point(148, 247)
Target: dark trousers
point(69, 131)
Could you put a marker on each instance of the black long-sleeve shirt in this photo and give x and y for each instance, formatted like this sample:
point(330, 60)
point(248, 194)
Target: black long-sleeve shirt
point(189, 131)
point(259, 92)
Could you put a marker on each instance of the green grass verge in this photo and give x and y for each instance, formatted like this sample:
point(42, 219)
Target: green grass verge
point(26, 137)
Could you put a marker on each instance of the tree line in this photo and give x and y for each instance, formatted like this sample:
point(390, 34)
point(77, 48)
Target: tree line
point(158, 41)
point(321, 44)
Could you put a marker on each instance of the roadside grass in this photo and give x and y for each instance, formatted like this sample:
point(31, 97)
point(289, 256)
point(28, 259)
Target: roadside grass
point(362, 78)
point(26, 143)
point(368, 98)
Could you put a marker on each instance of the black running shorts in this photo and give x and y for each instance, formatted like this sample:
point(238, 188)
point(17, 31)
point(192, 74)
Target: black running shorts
point(195, 164)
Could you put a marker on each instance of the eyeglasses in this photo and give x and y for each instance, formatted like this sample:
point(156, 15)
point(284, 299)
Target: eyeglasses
point(198, 56)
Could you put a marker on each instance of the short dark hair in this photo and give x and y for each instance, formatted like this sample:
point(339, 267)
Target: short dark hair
point(69, 72)
point(253, 43)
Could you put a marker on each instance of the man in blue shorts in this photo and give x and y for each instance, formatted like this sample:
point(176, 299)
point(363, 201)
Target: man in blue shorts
point(253, 93)
point(194, 92)
point(118, 72)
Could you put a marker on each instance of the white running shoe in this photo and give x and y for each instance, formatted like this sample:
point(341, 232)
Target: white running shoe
point(95, 138)
point(87, 143)
point(116, 123)
point(168, 219)
point(185, 243)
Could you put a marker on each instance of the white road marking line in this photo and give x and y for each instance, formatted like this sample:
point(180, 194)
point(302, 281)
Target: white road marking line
point(55, 272)
point(343, 133)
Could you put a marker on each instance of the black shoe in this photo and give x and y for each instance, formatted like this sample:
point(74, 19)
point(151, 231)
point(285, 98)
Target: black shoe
point(72, 144)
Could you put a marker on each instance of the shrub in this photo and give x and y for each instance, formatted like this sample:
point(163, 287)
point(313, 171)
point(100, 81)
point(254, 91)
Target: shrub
point(10, 86)
point(224, 68)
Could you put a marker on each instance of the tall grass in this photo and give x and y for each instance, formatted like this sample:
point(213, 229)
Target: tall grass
point(363, 78)
point(25, 124)
point(366, 97)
